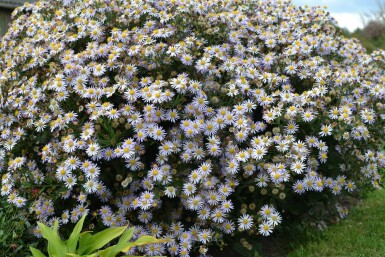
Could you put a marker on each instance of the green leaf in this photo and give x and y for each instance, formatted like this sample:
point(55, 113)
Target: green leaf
point(97, 241)
point(56, 226)
point(84, 237)
point(123, 241)
point(85, 233)
point(77, 255)
point(144, 240)
point(107, 252)
point(122, 244)
point(56, 247)
point(73, 254)
point(133, 256)
point(36, 252)
point(127, 235)
point(74, 237)
point(141, 256)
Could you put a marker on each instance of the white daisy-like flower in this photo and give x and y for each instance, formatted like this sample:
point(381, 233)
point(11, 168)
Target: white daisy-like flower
point(265, 229)
point(326, 130)
point(245, 222)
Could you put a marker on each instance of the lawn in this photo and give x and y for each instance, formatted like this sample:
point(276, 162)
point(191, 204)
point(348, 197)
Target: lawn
point(362, 234)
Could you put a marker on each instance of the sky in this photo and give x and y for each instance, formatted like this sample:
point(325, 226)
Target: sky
point(346, 12)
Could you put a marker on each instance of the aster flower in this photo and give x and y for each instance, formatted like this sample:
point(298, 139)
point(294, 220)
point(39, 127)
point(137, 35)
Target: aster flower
point(265, 229)
point(326, 130)
point(297, 166)
point(245, 222)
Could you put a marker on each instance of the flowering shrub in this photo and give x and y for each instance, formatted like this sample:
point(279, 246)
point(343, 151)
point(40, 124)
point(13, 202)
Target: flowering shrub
point(189, 119)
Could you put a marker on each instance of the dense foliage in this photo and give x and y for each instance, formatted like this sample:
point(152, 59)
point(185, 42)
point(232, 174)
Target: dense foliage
point(372, 36)
point(191, 120)
point(15, 236)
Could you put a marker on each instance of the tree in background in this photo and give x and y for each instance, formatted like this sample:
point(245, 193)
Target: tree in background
point(372, 36)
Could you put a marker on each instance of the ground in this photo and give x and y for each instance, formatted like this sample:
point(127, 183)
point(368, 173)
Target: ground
point(361, 234)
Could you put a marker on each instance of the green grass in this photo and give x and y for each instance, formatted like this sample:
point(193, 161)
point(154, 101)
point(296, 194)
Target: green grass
point(361, 234)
